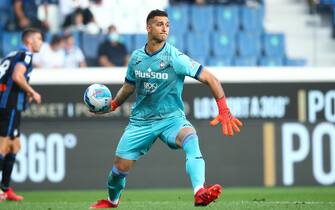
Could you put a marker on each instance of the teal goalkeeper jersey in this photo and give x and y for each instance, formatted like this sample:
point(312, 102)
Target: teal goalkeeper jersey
point(159, 79)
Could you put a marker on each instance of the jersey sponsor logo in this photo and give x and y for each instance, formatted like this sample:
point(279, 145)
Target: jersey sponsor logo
point(151, 75)
point(150, 87)
point(16, 132)
point(27, 59)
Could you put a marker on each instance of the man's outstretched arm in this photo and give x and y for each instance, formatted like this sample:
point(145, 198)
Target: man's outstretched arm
point(126, 90)
point(229, 122)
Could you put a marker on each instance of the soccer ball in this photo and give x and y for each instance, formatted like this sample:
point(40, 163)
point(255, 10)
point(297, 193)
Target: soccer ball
point(97, 97)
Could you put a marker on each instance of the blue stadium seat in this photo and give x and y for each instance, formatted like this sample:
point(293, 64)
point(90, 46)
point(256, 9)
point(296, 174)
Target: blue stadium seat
point(245, 61)
point(140, 40)
point(90, 44)
point(223, 44)
point(179, 18)
point(227, 19)
point(197, 44)
point(77, 38)
point(1, 53)
point(219, 61)
point(202, 18)
point(177, 40)
point(47, 37)
point(6, 12)
point(252, 18)
point(271, 61)
point(127, 39)
point(295, 62)
point(274, 44)
point(248, 44)
point(10, 41)
point(327, 2)
point(4, 4)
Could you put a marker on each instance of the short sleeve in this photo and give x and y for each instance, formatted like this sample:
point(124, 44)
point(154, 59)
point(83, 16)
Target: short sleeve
point(25, 59)
point(184, 65)
point(130, 77)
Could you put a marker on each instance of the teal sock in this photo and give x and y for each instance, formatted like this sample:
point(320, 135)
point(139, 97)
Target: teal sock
point(116, 183)
point(195, 164)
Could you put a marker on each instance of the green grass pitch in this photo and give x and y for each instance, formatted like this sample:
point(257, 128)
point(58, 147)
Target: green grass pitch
point(312, 198)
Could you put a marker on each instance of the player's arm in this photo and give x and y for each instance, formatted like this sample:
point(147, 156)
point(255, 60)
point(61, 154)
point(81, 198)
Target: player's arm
point(126, 90)
point(19, 78)
point(103, 61)
point(229, 122)
point(18, 10)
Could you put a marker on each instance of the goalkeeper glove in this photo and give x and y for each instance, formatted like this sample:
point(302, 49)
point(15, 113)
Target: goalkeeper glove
point(113, 106)
point(228, 121)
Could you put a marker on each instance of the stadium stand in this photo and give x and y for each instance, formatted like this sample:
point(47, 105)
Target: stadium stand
point(248, 44)
point(223, 44)
point(128, 40)
point(198, 44)
point(227, 35)
point(245, 61)
point(202, 18)
point(139, 40)
point(177, 39)
point(228, 19)
point(89, 45)
point(10, 41)
point(271, 61)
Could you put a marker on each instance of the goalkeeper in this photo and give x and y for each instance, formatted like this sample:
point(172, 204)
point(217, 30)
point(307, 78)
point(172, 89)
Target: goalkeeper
point(156, 72)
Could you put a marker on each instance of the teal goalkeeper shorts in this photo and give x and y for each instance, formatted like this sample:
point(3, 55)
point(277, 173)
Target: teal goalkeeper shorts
point(138, 138)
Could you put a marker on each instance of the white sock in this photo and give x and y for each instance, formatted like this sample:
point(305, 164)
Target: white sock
point(197, 188)
point(115, 202)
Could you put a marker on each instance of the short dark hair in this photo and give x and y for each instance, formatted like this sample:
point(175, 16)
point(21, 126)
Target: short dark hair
point(28, 32)
point(55, 39)
point(155, 13)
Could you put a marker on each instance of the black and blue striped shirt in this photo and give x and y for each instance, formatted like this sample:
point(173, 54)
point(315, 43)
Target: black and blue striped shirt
point(11, 95)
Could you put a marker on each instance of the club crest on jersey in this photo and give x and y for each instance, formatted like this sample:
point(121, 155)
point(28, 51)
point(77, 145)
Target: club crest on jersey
point(162, 64)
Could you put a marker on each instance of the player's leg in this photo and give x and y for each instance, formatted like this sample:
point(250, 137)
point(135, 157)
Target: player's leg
point(9, 161)
point(187, 139)
point(116, 183)
point(6, 127)
point(181, 134)
point(134, 143)
point(117, 178)
point(5, 123)
point(4, 142)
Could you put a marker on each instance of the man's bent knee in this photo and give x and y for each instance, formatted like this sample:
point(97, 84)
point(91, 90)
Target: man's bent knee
point(183, 133)
point(15, 146)
point(123, 165)
point(4, 145)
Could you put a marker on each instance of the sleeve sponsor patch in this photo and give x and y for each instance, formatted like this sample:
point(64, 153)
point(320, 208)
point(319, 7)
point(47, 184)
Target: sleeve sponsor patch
point(27, 59)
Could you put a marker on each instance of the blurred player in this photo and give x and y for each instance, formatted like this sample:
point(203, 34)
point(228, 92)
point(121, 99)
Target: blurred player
point(15, 70)
point(156, 73)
